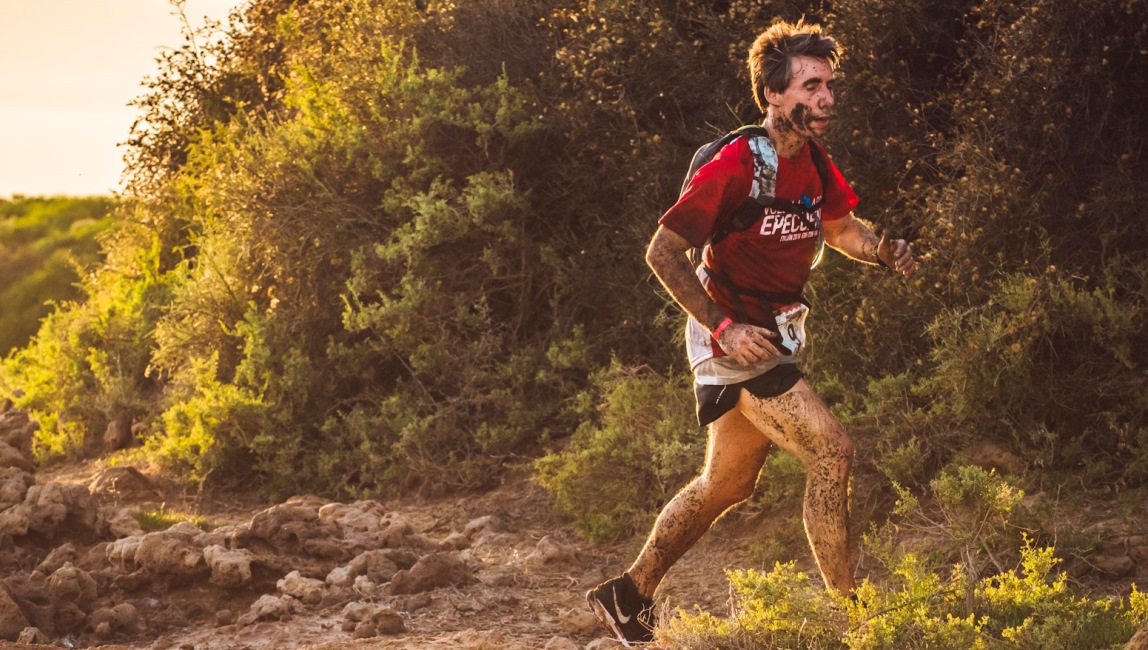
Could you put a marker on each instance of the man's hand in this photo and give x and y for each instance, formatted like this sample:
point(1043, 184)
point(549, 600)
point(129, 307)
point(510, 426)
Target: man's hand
point(896, 254)
point(748, 344)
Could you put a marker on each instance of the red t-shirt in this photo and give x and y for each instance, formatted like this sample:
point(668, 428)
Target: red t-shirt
point(773, 255)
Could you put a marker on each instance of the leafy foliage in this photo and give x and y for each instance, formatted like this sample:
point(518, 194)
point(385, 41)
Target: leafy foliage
point(922, 604)
point(637, 440)
point(372, 247)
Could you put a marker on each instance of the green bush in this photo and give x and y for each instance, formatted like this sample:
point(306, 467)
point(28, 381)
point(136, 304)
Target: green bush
point(637, 446)
point(369, 247)
point(1022, 361)
point(922, 602)
point(87, 366)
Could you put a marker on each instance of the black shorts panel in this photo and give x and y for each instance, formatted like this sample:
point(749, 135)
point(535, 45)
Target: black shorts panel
point(716, 401)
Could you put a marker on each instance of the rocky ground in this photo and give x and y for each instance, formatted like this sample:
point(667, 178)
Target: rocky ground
point(491, 570)
point(484, 571)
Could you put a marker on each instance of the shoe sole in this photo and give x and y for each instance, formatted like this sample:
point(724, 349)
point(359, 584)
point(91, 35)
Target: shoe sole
point(606, 619)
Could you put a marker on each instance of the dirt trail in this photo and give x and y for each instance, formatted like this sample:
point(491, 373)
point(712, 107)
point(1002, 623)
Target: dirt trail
point(488, 570)
point(491, 570)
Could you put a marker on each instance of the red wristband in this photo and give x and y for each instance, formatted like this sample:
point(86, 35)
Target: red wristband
point(721, 327)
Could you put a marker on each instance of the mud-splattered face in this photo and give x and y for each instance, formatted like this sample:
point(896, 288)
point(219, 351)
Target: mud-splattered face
point(807, 104)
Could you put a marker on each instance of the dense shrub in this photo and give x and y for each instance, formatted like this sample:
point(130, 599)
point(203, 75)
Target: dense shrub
point(925, 601)
point(637, 445)
point(87, 366)
point(374, 246)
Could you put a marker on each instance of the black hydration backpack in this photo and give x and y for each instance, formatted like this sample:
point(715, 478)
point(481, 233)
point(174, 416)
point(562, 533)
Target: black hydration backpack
point(761, 196)
point(762, 191)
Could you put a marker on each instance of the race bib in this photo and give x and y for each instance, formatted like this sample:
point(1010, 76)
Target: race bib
point(791, 326)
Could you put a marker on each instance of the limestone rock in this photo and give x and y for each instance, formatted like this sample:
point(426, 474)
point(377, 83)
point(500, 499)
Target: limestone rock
point(340, 577)
point(95, 559)
point(269, 607)
point(12, 619)
point(577, 621)
point(17, 430)
point(223, 536)
point(14, 484)
point(124, 482)
point(11, 457)
point(169, 553)
point(1139, 641)
point(361, 516)
point(14, 521)
point(229, 568)
point(50, 504)
point(307, 590)
point(268, 524)
point(430, 572)
point(118, 434)
point(295, 529)
point(122, 523)
point(69, 584)
point(185, 530)
point(47, 506)
point(61, 555)
point(122, 552)
point(33, 635)
point(370, 620)
point(551, 552)
point(123, 618)
point(377, 565)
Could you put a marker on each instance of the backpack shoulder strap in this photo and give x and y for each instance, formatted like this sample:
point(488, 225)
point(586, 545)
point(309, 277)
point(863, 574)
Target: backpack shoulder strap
point(706, 152)
point(764, 187)
point(821, 165)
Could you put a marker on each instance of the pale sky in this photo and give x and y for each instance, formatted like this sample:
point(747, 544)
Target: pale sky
point(68, 69)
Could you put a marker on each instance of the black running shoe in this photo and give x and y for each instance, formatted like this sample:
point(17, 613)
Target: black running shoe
point(625, 613)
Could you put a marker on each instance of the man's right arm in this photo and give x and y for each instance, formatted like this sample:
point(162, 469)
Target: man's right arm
point(745, 343)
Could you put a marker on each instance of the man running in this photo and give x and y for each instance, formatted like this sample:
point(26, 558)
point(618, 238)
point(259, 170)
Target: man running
point(746, 320)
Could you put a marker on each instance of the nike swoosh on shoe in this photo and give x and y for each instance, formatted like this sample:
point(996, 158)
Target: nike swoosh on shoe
point(622, 618)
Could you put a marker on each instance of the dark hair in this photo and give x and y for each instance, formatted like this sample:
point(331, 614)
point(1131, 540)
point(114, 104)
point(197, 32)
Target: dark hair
point(771, 56)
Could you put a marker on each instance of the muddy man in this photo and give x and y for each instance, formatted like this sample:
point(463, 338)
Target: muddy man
point(746, 325)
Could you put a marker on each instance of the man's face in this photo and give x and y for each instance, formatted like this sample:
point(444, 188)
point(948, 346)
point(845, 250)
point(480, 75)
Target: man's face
point(806, 105)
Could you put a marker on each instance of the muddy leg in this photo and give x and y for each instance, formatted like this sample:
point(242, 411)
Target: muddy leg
point(800, 423)
point(734, 456)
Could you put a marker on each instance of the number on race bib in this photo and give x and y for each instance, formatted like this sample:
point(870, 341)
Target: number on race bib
point(791, 326)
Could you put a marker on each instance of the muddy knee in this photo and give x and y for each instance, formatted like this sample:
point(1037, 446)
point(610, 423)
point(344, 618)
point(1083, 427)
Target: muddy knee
point(838, 452)
point(727, 491)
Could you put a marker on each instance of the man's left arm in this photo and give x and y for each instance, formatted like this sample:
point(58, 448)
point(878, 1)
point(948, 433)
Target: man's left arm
point(853, 238)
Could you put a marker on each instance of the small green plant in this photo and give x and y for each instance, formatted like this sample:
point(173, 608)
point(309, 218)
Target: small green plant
point(162, 519)
point(782, 608)
point(968, 514)
point(923, 600)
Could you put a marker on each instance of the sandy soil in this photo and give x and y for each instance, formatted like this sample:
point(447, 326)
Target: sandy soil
point(489, 570)
point(526, 573)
